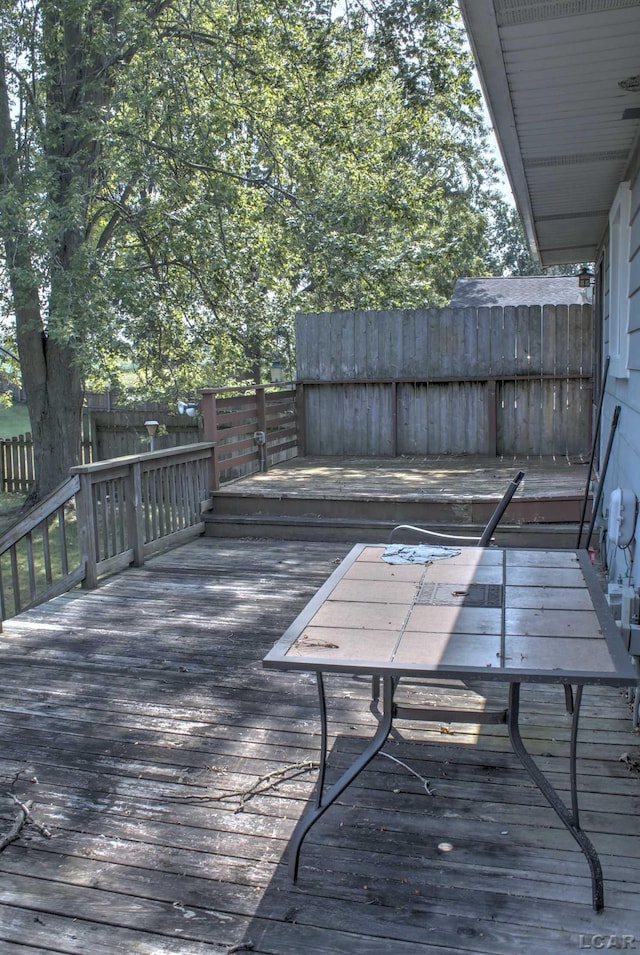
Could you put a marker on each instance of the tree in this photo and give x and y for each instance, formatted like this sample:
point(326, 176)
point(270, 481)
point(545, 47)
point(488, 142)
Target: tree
point(178, 178)
point(508, 251)
point(58, 69)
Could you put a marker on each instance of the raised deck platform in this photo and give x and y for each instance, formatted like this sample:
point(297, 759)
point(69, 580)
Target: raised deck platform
point(361, 499)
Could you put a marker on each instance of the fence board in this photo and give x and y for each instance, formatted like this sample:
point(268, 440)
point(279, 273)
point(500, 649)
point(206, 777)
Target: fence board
point(487, 380)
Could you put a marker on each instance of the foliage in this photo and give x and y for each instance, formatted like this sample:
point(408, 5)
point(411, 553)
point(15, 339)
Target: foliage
point(509, 252)
point(181, 176)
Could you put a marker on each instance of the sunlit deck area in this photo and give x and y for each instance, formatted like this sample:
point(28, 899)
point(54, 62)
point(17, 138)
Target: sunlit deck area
point(360, 498)
point(166, 769)
point(441, 477)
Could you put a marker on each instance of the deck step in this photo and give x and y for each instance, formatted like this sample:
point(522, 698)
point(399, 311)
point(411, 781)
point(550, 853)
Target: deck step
point(362, 530)
point(411, 509)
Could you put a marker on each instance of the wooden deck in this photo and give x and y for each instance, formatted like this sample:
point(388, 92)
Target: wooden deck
point(136, 716)
point(435, 478)
point(360, 499)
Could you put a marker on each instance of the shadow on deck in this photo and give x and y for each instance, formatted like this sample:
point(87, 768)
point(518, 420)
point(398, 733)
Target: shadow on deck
point(361, 499)
point(140, 722)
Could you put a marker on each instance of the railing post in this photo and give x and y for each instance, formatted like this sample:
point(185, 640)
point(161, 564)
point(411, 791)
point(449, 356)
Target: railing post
point(300, 419)
point(135, 514)
point(87, 532)
point(209, 414)
point(261, 424)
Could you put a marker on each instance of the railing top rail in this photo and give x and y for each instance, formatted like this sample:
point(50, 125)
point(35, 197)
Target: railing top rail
point(48, 505)
point(185, 450)
point(243, 389)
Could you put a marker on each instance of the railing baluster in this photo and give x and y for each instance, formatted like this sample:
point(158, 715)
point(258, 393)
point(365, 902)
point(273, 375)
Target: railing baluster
point(31, 570)
point(112, 504)
point(136, 514)
point(15, 580)
point(103, 522)
point(173, 498)
point(122, 515)
point(64, 554)
point(46, 554)
point(3, 603)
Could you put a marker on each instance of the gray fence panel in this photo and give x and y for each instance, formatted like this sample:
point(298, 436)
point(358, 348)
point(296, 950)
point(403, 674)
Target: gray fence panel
point(442, 419)
point(510, 381)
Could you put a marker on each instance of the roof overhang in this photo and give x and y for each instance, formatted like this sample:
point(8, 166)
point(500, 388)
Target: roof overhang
point(550, 71)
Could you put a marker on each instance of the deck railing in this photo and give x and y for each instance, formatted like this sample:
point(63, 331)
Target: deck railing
point(253, 427)
point(231, 416)
point(107, 516)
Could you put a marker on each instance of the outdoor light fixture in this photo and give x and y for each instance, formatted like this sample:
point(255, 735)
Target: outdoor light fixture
point(585, 278)
point(189, 408)
point(277, 371)
point(152, 430)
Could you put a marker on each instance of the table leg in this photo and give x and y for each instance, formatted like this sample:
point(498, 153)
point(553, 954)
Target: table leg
point(326, 799)
point(569, 818)
point(568, 698)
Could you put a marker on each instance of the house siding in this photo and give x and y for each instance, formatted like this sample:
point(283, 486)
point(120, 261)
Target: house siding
point(624, 463)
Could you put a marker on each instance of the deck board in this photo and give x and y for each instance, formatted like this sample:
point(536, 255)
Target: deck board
point(134, 715)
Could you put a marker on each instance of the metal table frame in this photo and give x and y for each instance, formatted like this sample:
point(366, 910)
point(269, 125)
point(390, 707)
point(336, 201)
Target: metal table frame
point(390, 676)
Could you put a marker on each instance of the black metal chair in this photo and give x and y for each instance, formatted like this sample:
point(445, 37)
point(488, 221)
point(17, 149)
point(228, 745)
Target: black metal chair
point(483, 541)
point(485, 538)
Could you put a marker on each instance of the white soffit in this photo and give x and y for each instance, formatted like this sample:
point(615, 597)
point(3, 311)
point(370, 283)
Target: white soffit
point(550, 72)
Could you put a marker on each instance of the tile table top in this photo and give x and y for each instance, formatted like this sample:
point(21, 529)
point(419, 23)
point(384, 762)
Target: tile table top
point(494, 613)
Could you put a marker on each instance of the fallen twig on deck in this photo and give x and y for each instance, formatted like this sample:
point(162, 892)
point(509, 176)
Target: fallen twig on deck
point(261, 785)
point(425, 782)
point(632, 764)
point(23, 818)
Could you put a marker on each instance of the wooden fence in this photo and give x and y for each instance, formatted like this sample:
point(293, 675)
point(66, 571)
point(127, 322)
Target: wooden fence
point(111, 434)
point(485, 381)
point(105, 517)
point(16, 460)
point(253, 428)
point(230, 416)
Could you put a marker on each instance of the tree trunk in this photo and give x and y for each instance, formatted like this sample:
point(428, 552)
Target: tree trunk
point(50, 376)
point(55, 411)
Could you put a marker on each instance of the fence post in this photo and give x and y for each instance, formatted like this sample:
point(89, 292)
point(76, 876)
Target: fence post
point(87, 531)
point(209, 414)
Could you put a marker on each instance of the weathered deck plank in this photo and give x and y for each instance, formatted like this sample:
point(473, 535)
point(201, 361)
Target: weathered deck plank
point(133, 716)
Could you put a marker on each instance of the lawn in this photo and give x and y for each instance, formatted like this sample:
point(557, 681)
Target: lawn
point(14, 420)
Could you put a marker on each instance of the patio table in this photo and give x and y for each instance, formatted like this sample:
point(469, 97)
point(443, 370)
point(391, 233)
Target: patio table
point(509, 615)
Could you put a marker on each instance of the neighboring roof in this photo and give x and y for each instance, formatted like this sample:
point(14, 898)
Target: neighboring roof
point(518, 290)
point(551, 72)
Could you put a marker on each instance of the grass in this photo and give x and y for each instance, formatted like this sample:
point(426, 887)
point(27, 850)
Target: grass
point(14, 420)
point(42, 565)
point(10, 510)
